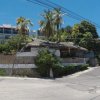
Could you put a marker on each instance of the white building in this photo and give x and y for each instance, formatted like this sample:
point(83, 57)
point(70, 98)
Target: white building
point(6, 31)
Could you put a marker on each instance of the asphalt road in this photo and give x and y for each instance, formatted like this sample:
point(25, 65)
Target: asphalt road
point(80, 86)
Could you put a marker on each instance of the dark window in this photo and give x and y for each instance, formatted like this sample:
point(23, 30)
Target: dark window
point(1, 30)
point(67, 53)
point(27, 49)
point(7, 30)
point(64, 54)
point(15, 31)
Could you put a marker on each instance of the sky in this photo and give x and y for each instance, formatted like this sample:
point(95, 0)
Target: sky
point(10, 10)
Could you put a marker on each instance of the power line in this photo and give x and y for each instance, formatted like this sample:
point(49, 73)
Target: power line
point(44, 4)
point(49, 4)
point(80, 17)
point(37, 3)
point(73, 13)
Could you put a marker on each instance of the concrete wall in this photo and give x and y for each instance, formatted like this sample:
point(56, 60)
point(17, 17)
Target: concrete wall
point(73, 60)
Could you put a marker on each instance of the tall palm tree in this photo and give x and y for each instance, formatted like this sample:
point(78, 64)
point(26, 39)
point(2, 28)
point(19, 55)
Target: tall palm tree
point(47, 23)
point(23, 25)
point(57, 20)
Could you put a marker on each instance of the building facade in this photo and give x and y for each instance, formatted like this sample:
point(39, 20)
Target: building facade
point(6, 31)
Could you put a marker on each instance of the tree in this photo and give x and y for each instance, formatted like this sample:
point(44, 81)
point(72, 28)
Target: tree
point(86, 26)
point(23, 25)
point(76, 35)
point(68, 29)
point(86, 40)
point(57, 20)
point(14, 44)
point(81, 29)
point(47, 23)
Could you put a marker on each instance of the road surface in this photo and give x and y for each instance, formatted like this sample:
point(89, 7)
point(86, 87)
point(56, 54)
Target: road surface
point(80, 86)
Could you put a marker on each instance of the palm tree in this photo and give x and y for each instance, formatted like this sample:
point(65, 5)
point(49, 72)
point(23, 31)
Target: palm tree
point(57, 20)
point(47, 23)
point(23, 25)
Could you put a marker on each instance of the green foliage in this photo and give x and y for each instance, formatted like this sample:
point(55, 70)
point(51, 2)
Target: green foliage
point(51, 23)
point(83, 34)
point(23, 25)
point(2, 72)
point(46, 60)
point(47, 23)
point(86, 26)
point(2, 48)
point(70, 69)
point(14, 44)
point(86, 40)
point(63, 36)
point(68, 29)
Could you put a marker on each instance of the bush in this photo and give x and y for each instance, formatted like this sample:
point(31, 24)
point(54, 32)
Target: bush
point(45, 61)
point(1, 48)
point(84, 67)
point(70, 69)
point(14, 44)
point(2, 72)
point(58, 70)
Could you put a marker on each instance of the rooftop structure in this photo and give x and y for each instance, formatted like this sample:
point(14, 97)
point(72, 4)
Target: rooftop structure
point(61, 45)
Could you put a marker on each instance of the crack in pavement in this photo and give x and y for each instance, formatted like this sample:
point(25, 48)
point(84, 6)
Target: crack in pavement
point(95, 97)
point(92, 89)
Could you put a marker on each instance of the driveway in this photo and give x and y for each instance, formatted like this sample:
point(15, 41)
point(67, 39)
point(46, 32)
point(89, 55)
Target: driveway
point(80, 86)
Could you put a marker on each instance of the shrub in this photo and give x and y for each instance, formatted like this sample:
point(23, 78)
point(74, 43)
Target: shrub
point(14, 44)
point(2, 72)
point(58, 70)
point(45, 61)
point(74, 68)
point(1, 48)
point(84, 67)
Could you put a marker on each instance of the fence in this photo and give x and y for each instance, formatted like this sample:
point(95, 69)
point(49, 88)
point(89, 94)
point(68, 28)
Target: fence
point(18, 65)
point(7, 59)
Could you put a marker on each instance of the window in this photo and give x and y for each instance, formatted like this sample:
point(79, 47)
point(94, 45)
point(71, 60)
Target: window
point(7, 30)
point(66, 53)
point(15, 31)
point(1, 30)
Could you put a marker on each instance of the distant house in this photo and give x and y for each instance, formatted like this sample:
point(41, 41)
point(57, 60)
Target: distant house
point(66, 51)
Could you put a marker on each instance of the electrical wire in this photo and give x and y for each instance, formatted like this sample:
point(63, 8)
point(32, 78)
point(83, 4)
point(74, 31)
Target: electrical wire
point(48, 4)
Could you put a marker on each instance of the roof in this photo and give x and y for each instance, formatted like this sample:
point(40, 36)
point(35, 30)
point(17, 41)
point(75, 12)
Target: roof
point(36, 42)
point(7, 26)
point(43, 43)
point(72, 45)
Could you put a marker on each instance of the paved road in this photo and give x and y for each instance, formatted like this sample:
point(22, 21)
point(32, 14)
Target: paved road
point(81, 86)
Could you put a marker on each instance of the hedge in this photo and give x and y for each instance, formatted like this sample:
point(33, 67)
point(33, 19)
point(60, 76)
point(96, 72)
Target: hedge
point(70, 69)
